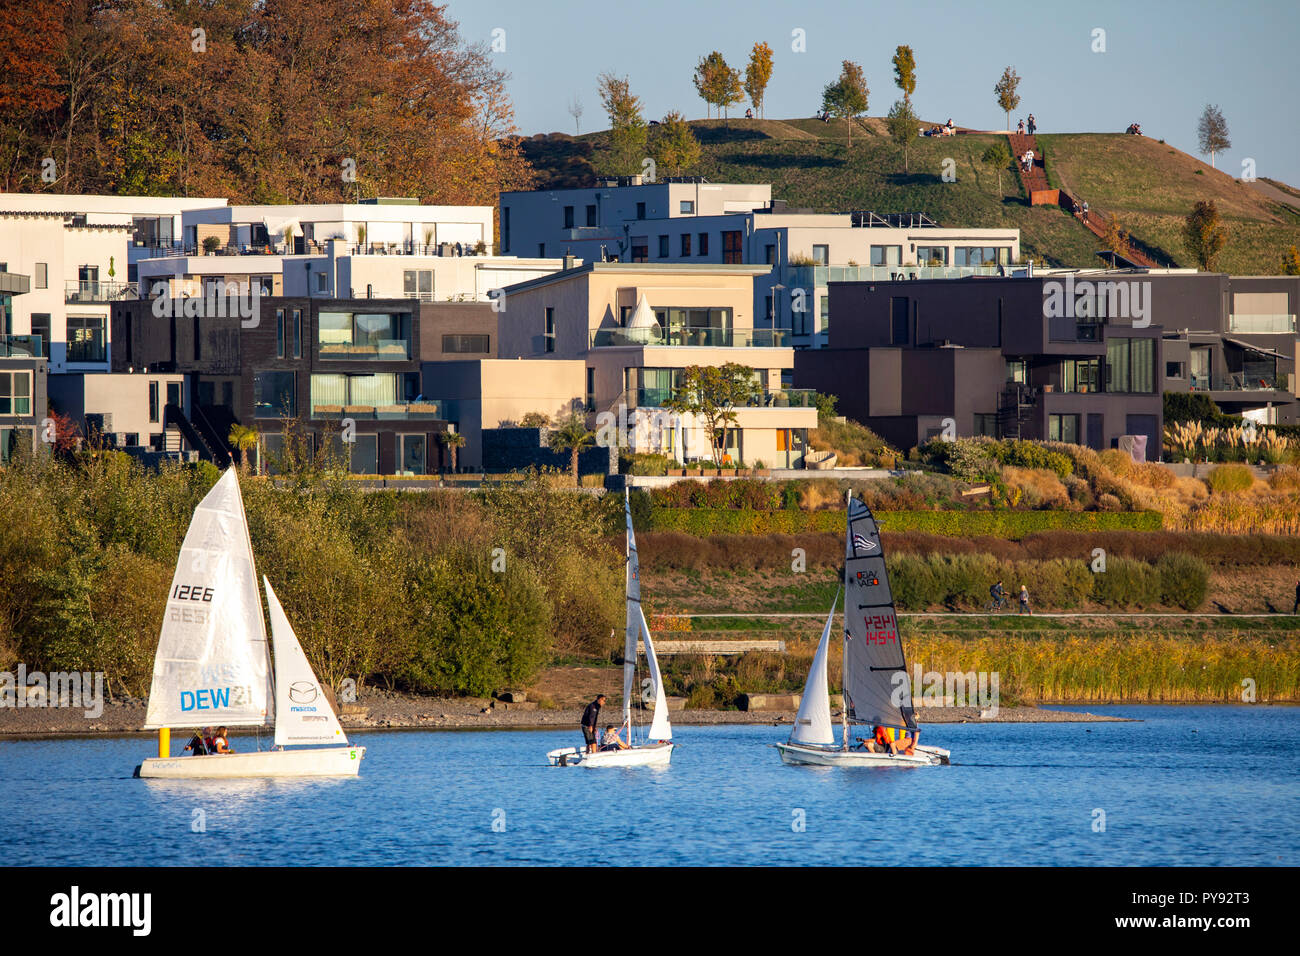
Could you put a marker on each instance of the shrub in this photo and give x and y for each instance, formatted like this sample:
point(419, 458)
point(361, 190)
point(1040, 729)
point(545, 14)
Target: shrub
point(1184, 580)
point(1286, 478)
point(1038, 487)
point(646, 464)
point(1127, 583)
point(1230, 479)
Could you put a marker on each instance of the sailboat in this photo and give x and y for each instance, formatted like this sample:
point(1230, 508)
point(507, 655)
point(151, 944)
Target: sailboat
point(213, 665)
point(876, 691)
point(657, 748)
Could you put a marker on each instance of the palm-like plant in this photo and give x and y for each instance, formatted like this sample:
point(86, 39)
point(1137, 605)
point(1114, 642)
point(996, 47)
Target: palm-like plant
point(453, 442)
point(572, 436)
point(244, 439)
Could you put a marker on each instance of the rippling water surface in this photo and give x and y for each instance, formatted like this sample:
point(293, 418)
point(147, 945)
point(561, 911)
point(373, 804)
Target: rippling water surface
point(1186, 785)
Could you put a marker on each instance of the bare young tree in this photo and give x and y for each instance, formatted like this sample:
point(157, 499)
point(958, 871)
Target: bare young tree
point(1213, 132)
point(575, 110)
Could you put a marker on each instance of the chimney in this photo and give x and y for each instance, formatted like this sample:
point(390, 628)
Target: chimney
point(568, 261)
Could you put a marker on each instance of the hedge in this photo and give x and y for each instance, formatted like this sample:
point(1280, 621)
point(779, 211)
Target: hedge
point(1001, 524)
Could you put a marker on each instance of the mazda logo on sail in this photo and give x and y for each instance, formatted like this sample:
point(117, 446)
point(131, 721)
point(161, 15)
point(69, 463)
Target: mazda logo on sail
point(302, 692)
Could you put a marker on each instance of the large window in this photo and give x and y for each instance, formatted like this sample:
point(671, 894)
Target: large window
point(1130, 365)
point(1063, 428)
point(1081, 375)
point(686, 244)
point(41, 327)
point(361, 336)
point(412, 454)
point(695, 326)
point(980, 255)
point(364, 457)
point(333, 395)
point(15, 393)
point(733, 247)
point(86, 338)
point(568, 217)
point(822, 255)
point(886, 255)
point(15, 441)
point(932, 256)
point(418, 284)
point(467, 344)
point(640, 249)
point(274, 395)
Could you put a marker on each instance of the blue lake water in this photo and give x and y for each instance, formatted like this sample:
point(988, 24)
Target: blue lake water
point(1186, 786)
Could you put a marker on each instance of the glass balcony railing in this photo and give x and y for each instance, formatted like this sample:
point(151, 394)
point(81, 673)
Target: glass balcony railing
point(692, 337)
point(1262, 324)
point(86, 292)
point(654, 397)
point(373, 350)
point(815, 276)
point(1239, 382)
point(21, 346)
point(396, 411)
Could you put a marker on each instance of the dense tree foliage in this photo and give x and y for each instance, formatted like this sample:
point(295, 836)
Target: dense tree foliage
point(257, 100)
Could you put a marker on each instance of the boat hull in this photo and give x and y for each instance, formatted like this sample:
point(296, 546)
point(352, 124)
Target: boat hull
point(322, 762)
point(651, 755)
point(802, 755)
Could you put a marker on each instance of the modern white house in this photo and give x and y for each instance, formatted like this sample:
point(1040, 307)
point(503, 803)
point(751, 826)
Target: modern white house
point(690, 220)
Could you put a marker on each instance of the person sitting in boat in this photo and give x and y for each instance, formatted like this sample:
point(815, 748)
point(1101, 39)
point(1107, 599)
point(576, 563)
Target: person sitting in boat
point(220, 744)
point(199, 742)
point(612, 741)
point(589, 718)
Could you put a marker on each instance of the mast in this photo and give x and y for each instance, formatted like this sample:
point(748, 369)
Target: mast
point(844, 633)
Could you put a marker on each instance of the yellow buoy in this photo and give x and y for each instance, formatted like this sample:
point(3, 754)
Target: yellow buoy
point(164, 742)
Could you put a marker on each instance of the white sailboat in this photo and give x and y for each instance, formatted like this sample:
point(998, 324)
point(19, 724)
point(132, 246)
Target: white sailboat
point(213, 665)
point(657, 748)
point(876, 691)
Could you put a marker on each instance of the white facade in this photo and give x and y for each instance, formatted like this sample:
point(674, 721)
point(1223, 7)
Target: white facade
point(76, 272)
point(739, 224)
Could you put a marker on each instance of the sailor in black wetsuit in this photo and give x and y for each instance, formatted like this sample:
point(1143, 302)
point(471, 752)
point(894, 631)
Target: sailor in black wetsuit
point(590, 720)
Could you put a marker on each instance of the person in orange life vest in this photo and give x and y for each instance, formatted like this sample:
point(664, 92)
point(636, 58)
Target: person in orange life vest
point(220, 744)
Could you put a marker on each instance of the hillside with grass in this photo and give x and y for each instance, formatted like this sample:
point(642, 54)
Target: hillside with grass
point(1150, 186)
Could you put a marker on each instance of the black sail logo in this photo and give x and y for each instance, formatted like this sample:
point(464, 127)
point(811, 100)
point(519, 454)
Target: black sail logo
point(302, 692)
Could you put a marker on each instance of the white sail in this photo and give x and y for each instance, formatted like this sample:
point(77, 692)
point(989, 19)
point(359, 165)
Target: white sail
point(303, 714)
point(876, 691)
point(812, 725)
point(212, 665)
point(660, 727)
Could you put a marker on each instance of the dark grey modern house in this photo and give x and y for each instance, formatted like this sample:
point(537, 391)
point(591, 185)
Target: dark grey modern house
point(1081, 356)
point(24, 375)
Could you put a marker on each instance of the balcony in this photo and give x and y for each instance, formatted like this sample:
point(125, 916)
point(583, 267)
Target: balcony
point(95, 292)
point(1239, 382)
point(1262, 324)
point(21, 346)
point(651, 397)
point(817, 276)
point(397, 411)
point(375, 350)
point(691, 337)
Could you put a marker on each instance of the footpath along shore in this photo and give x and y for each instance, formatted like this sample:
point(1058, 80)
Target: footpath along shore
point(379, 710)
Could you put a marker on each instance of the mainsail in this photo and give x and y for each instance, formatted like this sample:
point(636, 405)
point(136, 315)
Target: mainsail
point(303, 714)
point(812, 725)
point(212, 665)
point(875, 671)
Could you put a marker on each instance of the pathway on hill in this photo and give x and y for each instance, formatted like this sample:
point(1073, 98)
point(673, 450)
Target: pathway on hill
point(1040, 192)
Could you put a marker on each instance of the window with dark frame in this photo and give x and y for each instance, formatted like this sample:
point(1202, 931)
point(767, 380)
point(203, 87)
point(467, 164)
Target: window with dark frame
point(686, 244)
point(548, 333)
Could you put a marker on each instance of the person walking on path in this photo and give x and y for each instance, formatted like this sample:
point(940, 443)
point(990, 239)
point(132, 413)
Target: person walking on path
point(1296, 607)
point(1024, 600)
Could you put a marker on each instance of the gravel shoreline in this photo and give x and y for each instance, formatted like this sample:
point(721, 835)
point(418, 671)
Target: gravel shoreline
point(379, 710)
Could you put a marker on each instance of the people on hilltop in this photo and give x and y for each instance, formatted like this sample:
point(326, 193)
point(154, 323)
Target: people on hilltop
point(1020, 127)
point(749, 114)
point(1033, 125)
point(590, 719)
point(1134, 129)
point(220, 744)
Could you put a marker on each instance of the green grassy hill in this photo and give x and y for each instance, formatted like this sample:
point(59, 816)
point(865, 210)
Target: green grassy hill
point(1150, 186)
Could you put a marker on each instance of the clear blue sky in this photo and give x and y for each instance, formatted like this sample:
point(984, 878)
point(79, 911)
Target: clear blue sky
point(1163, 62)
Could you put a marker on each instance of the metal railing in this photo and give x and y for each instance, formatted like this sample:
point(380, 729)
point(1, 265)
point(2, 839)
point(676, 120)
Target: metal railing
point(83, 292)
point(376, 350)
point(810, 276)
point(691, 337)
point(657, 397)
point(1239, 382)
point(393, 411)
